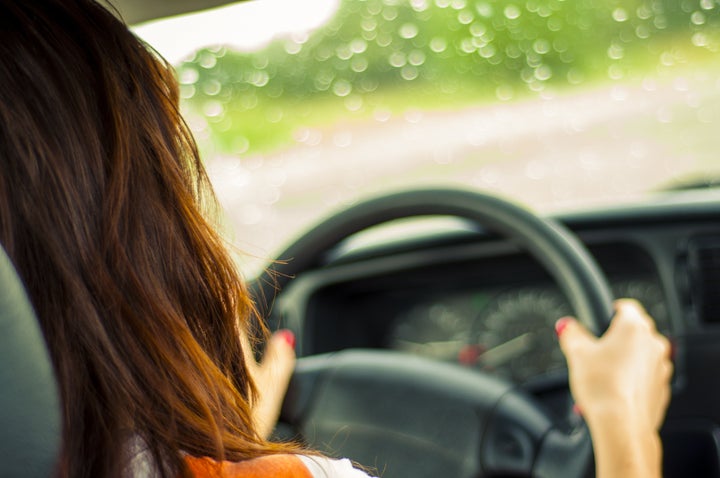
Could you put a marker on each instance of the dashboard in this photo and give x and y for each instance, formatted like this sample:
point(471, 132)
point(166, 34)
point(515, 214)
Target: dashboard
point(475, 299)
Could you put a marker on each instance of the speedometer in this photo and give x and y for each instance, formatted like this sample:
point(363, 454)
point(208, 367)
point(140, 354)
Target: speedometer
point(517, 336)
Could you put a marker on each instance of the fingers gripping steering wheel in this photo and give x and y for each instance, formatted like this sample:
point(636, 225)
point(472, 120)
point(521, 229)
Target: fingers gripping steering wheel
point(410, 416)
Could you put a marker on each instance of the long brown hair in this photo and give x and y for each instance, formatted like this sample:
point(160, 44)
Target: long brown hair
point(102, 209)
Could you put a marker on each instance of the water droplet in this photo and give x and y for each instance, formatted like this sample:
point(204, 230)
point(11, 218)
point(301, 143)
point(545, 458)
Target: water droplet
point(359, 64)
point(342, 88)
point(212, 87)
point(543, 73)
point(383, 39)
point(554, 24)
point(642, 32)
point(207, 60)
point(408, 31)
point(188, 76)
point(465, 17)
point(620, 15)
point(442, 3)
point(274, 114)
point(512, 12)
point(706, 4)
point(467, 45)
point(397, 59)
point(615, 72)
point(504, 92)
point(615, 52)
point(240, 144)
point(187, 91)
point(213, 109)
point(487, 51)
point(292, 47)
point(260, 62)
point(575, 76)
point(420, 5)
point(409, 73)
point(390, 13)
point(416, 58)
point(700, 39)
point(358, 46)
point(368, 24)
point(484, 9)
point(643, 12)
point(438, 45)
point(353, 103)
point(259, 78)
point(541, 46)
point(343, 52)
point(660, 22)
point(698, 18)
point(477, 29)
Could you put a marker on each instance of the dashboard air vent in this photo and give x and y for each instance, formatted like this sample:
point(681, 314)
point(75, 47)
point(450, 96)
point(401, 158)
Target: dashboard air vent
point(704, 269)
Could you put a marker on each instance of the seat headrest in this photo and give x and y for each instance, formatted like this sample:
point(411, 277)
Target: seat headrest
point(29, 403)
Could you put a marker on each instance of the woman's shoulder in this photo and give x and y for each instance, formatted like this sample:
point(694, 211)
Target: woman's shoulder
point(277, 466)
point(323, 467)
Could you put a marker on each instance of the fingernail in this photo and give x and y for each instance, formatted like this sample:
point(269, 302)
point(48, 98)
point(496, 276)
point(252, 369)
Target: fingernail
point(577, 410)
point(288, 336)
point(561, 324)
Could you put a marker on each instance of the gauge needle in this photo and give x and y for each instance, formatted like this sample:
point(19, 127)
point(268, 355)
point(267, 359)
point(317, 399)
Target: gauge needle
point(507, 350)
point(439, 349)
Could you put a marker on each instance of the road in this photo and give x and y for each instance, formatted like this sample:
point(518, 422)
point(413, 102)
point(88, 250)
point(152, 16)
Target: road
point(612, 144)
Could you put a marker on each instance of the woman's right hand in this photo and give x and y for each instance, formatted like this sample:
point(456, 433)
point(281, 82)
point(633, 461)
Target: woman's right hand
point(621, 385)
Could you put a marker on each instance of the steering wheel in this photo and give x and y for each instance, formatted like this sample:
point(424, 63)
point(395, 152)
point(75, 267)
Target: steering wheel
point(410, 416)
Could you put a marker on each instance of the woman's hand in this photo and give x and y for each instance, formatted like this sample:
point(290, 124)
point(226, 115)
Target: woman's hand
point(621, 384)
point(271, 376)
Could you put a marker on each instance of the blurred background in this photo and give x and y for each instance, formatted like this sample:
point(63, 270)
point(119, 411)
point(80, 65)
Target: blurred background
point(305, 107)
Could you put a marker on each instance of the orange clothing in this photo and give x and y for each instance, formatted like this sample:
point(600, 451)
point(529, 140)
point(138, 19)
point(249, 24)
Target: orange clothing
point(275, 466)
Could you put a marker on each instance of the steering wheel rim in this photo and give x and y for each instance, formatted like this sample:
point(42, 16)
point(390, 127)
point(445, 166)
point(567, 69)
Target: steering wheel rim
point(321, 382)
point(553, 245)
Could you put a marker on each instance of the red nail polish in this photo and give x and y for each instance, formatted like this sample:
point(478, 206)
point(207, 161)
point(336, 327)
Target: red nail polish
point(561, 324)
point(288, 336)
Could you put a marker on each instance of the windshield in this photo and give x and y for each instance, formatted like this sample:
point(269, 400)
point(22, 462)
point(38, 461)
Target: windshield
point(303, 108)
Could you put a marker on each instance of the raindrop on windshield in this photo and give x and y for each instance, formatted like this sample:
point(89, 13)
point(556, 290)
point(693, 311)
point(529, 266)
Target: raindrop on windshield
point(397, 59)
point(620, 15)
point(615, 52)
point(698, 18)
point(342, 88)
point(188, 76)
point(512, 12)
point(416, 58)
point(408, 31)
point(409, 73)
point(438, 45)
point(465, 17)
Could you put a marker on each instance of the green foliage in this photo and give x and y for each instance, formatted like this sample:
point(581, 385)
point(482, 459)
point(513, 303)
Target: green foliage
point(391, 55)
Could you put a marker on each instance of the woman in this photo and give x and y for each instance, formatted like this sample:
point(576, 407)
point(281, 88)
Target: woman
point(103, 206)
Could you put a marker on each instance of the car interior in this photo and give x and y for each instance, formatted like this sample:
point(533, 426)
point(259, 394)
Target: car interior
point(432, 352)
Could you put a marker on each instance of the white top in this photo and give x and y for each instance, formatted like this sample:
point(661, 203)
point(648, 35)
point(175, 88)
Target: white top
point(322, 467)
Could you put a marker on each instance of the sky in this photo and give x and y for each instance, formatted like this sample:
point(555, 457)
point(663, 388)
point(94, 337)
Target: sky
point(245, 26)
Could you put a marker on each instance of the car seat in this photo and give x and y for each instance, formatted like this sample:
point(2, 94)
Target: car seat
point(29, 402)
